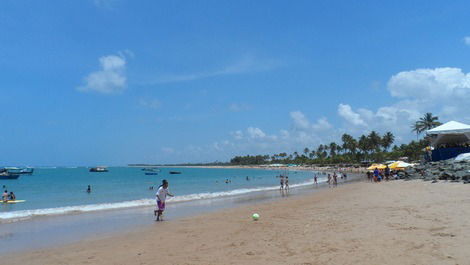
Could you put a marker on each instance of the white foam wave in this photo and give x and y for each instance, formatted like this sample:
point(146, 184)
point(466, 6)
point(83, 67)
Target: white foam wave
point(26, 214)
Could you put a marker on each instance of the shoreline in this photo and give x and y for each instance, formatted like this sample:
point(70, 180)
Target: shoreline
point(328, 169)
point(70, 227)
point(396, 222)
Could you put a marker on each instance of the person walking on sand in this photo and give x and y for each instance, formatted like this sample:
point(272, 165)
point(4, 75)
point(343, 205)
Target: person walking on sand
point(315, 180)
point(282, 182)
point(335, 180)
point(287, 183)
point(162, 192)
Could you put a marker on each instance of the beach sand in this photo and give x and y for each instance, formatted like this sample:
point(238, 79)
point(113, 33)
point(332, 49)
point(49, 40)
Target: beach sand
point(399, 222)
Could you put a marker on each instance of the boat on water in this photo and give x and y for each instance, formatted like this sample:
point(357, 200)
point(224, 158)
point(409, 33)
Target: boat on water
point(5, 174)
point(175, 172)
point(20, 170)
point(99, 169)
point(151, 169)
point(151, 173)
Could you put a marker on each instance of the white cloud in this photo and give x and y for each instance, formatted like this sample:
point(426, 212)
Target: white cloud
point(322, 124)
point(430, 84)
point(255, 132)
point(349, 115)
point(443, 91)
point(299, 120)
point(238, 135)
point(467, 40)
point(111, 78)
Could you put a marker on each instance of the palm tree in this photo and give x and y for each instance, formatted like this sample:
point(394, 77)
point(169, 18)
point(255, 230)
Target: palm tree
point(363, 145)
point(427, 122)
point(306, 151)
point(416, 127)
point(333, 148)
point(349, 143)
point(374, 141)
point(387, 140)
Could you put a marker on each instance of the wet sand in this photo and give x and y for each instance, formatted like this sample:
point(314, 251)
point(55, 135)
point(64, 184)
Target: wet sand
point(399, 222)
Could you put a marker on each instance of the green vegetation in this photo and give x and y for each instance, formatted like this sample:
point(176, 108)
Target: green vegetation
point(366, 148)
point(372, 147)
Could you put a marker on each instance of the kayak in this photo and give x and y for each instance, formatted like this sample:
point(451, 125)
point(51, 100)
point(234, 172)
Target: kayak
point(15, 201)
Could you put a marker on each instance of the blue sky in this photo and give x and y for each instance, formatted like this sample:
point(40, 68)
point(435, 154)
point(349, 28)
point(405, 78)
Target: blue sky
point(116, 82)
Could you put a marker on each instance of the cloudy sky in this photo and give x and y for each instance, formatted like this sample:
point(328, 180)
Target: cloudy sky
point(117, 81)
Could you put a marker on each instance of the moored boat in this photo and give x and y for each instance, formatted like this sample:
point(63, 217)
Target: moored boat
point(99, 169)
point(4, 174)
point(151, 173)
point(175, 172)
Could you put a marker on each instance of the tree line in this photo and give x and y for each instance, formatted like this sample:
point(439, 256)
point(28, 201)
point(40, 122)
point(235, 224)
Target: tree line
point(372, 147)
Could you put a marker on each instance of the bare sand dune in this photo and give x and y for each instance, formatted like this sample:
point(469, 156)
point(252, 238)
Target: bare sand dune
point(363, 223)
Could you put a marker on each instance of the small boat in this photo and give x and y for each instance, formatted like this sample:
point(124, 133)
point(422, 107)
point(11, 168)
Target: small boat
point(151, 169)
point(5, 174)
point(151, 173)
point(175, 172)
point(18, 170)
point(99, 169)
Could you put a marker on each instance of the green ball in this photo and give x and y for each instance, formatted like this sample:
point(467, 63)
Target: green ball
point(255, 217)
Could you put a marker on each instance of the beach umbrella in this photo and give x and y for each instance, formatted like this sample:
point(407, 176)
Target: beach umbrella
point(378, 166)
point(399, 165)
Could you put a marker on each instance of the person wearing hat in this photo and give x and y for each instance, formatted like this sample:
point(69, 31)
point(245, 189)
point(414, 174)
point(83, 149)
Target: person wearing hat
point(162, 192)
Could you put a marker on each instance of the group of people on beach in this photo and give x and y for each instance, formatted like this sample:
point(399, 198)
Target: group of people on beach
point(333, 179)
point(381, 174)
point(8, 196)
point(284, 182)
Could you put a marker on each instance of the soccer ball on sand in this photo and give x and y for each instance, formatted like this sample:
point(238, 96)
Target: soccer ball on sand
point(255, 217)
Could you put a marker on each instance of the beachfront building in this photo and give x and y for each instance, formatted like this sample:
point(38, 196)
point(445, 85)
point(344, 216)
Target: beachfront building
point(449, 140)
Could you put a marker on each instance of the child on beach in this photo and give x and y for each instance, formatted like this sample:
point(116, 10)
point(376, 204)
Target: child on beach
point(162, 192)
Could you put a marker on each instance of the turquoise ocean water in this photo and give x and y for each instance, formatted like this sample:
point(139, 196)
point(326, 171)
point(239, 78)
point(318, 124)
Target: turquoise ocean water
point(53, 191)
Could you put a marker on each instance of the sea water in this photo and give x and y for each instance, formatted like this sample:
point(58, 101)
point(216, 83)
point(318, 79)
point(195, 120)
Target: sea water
point(55, 191)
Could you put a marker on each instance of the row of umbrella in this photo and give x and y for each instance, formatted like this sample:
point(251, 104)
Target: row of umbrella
point(395, 165)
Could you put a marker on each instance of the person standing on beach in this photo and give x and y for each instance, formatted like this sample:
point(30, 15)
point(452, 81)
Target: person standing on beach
point(329, 181)
point(287, 183)
point(387, 173)
point(282, 182)
point(315, 180)
point(5, 196)
point(376, 174)
point(162, 192)
point(335, 180)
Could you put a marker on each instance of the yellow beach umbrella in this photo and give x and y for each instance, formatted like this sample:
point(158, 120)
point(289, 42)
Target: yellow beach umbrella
point(374, 166)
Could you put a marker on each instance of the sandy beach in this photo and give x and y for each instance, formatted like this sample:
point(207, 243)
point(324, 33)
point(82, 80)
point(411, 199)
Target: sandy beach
point(399, 222)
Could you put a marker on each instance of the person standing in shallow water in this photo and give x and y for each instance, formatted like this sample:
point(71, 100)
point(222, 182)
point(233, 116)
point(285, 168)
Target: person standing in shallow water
point(162, 192)
point(282, 182)
point(287, 183)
